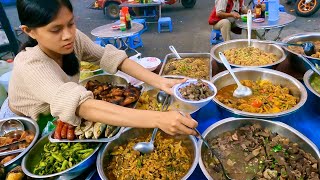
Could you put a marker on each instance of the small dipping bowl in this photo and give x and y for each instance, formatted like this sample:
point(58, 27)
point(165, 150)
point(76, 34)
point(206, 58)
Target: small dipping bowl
point(200, 103)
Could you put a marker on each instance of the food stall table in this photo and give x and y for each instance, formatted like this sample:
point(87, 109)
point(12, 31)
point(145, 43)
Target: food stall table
point(142, 5)
point(266, 26)
point(106, 31)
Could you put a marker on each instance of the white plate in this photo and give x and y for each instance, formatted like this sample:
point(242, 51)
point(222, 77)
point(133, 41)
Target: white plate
point(150, 63)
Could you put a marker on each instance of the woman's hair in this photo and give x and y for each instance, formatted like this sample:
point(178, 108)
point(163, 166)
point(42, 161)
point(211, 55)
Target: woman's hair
point(39, 13)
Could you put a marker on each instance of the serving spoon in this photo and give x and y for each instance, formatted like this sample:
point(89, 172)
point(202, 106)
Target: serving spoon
point(148, 147)
point(313, 67)
point(249, 25)
point(308, 47)
point(175, 52)
point(241, 91)
point(11, 125)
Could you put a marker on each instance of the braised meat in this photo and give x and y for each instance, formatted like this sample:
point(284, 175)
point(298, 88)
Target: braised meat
point(123, 96)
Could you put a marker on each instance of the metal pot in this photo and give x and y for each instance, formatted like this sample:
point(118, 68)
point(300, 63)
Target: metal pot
point(231, 124)
point(306, 79)
point(241, 43)
point(130, 133)
point(33, 157)
point(296, 88)
point(31, 125)
point(299, 64)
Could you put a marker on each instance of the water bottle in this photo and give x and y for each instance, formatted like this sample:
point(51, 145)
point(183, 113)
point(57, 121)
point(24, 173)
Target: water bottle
point(273, 9)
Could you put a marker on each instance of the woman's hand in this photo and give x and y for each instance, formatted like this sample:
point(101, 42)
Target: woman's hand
point(167, 84)
point(173, 122)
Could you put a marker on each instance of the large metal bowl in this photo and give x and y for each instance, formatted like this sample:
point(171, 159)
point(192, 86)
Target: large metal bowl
point(306, 79)
point(113, 79)
point(130, 133)
point(241, 43)
point(34, 156)
point(295, 87)
point(231, 124)
point(31, 125)
point(298, 63)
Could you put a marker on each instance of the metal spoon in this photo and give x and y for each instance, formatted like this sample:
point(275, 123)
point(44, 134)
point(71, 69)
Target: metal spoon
point(175, 52)
point(11, 125)
point(308, 47)
point(313, 67)
point(249, 25)
point(214, 153)
point(241, 90)
point(148, 147)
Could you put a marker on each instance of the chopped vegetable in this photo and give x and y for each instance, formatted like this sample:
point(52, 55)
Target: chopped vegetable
point(57, 157)
point(277, 148)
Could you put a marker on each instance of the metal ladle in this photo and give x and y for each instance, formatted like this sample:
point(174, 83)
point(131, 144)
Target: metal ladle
point(175, 52)
point(313, 67)
point(11, 125)
point(308, 47)
point(148, 147)
point(241, 91)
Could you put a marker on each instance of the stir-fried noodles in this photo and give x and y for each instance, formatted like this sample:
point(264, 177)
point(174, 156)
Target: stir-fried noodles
point(169, 160)
point(249, 56)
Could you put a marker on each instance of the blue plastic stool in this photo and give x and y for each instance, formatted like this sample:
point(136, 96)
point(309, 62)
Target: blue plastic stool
point(215, 37)
point(281, 8)
point(141, 21)
point(164, 22)
point(104, 41)
point(134, 41)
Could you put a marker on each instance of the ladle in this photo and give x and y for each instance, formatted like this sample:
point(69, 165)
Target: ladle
point(308, 47)
point(148, 147)
point(249, 25)
point(214, 153)
point(175, 52)
point(313, 67)
point(241, 91)
point(11, 125)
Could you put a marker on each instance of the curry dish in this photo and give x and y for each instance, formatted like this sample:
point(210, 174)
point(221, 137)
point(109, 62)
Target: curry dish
point(170, 160)
point(198, 68)
point(253, 152)
point(299, 50)
point(265, 98)
point(249, 56)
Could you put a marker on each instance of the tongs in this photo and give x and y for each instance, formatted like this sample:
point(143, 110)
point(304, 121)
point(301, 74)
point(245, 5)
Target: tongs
point(8, 146)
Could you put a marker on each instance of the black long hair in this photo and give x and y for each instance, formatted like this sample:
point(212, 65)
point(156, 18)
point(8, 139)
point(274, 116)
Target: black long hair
point(38, 13)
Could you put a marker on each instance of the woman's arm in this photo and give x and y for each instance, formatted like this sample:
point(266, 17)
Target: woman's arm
point(170, 122)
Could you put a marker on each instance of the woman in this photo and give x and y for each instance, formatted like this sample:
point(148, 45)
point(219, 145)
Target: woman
point(45, 74)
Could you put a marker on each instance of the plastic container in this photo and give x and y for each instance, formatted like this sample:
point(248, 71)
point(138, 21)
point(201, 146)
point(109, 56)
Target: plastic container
point(274, 13)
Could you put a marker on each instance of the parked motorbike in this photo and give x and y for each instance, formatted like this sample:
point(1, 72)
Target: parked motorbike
point(111, 7)
point(305, 8)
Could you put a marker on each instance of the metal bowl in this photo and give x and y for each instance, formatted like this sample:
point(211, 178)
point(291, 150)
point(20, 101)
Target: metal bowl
point(306, 79)
point(295, 87)
point(241, 43)
point(33, 157)
point(113, 79)
point(299, 64)
point(31, 125)
point(130, 133)
point(231, 124)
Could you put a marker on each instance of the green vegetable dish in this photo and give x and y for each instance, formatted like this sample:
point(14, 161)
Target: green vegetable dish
point(315, 83)
point(57, 157)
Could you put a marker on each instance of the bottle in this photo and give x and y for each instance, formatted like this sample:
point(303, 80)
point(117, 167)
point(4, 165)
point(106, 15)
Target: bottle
point(258, 10)
point(263, 10)
point(126, 14)
point(122, 17)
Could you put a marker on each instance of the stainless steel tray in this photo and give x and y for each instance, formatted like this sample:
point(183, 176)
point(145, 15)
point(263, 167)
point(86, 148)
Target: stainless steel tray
point(116, 136)
point(113, 79)
point(186, 55)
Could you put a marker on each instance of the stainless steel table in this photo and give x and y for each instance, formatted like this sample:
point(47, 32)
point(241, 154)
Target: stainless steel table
point(266, 26)
point(106, 31)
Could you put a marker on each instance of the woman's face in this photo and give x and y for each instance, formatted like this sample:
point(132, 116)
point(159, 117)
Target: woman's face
point(57, 37)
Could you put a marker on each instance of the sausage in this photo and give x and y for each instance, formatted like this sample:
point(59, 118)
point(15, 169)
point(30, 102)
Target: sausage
point(57, 132)
point(70, 133)
point(64, 131)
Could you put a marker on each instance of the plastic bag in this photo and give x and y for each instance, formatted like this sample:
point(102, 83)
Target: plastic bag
point(46, 124)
